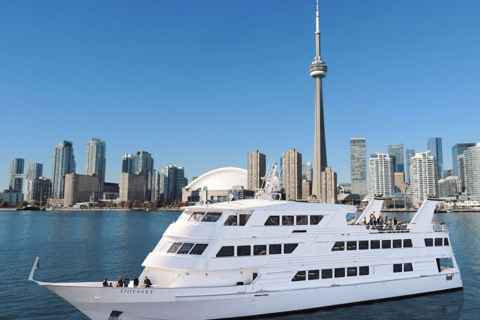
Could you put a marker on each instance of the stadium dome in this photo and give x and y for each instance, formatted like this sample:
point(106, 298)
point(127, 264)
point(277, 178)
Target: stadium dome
point(220, 179)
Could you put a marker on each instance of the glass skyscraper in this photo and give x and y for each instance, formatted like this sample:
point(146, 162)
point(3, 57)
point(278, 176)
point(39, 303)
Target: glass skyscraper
point(435, 147)
point(141, 162)
point(458, 149)
point(34, 171)
point(472, 171)
point(172, 181)
point(17, 166)
point(409, 154)
point(397, 151)
point(95, 161)
point(358, 162)
point(63, 162)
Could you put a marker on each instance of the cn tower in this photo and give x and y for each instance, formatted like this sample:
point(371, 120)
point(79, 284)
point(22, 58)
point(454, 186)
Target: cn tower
point(318, 71)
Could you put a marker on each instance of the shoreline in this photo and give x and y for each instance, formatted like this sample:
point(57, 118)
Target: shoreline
point(94, 209)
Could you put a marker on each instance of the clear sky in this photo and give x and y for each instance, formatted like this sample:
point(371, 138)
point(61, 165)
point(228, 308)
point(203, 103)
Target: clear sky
point(200, 84)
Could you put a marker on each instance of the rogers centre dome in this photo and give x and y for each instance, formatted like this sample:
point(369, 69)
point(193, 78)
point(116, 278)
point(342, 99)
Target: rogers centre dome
point(220, 179)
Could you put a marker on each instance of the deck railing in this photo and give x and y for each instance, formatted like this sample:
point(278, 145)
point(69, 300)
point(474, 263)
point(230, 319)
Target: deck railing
point(438, 227)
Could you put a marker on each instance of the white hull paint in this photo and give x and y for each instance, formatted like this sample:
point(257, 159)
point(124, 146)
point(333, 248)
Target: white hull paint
point(226, 302)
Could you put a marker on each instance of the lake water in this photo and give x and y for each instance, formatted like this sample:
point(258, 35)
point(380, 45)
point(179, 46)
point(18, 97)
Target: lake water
point(89, 246)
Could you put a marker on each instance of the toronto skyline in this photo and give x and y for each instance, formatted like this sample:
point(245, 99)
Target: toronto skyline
point(202, 84)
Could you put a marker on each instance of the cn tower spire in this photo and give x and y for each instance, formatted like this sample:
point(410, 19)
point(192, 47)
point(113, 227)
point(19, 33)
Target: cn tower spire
point(318, 71)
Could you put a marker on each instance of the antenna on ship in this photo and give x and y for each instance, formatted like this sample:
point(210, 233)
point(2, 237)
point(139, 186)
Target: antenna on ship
point(270, 185)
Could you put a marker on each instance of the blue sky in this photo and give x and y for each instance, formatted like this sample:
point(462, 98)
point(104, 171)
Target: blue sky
point(202, 83)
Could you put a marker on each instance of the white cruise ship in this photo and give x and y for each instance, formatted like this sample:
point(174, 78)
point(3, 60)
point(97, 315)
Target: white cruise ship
point(265, 256)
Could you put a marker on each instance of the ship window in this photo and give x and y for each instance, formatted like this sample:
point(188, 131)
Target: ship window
point(339, 246)
point(397, 267)
point(351, 245)
point(198, 249)
point(314, 220)
point(259, 250)
point(185, 249)
point(407, 243)
point(231, 221)
point(275, 249)
point(313, 274)
point(174, 248)
point(438, 242)
point(386, 244)
point(212, 216)
point(351, 272)
point(445, 242)
point(300, 276)
point(244, 218)
point(273, 221)
point(339, 272)
point(243, 250)
point(364, 271)
point(375, 244)
point(302, 220)
point(196, 216)
point(429, 242)
point(407, 267)
point(289, 247)
point(444, 264)
point(397, 243)
point(287, 220)
point(363, 245)
point(326, 273)
point(227, 251)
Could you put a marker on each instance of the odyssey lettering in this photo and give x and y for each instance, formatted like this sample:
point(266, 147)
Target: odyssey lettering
point(136, 291)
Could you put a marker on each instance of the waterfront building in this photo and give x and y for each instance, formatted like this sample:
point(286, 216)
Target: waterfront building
point(306, 189)
point(96, 160)
point(256, 169)
point(461, 171)
point(34, 171)
point(358, 166)
point(423, 177)
point(171, 182)
point(397, 151)
point(329, 186)
point(318, 71)
point(16, 172)
point(132, 187)
point(12, 196)
point(307, 172)
point(435, 147)
point(217, 185)
point(409, 154)
point(38, 189)
point(111, 191)
point(472, 171)
point(129, 163)
point(141, 162)
point(381, 177)
point(292, 172)
point(458, 149)
point(63, 163)
point(81, 188)
point(449, 187)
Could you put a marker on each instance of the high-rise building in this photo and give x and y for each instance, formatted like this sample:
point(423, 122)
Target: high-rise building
point(292, 171)
point(38, 189)
point(96, 160)
point(318, 71)
point(409, 154)
point(358, 164)
point(458, 149)
point(171, 182)
point(141, 162)
point(63, 163)
point(307, 172)
point(256, 169)
point(16, 168)
point(435, 147)
point(472, 171)
point(461, 171)
point(397, 151)
point(306, 189)
point(34, 171)
point(423, 177)
point(329, 186)
point(449, 187)
point(132, 187)
point(129, 163)
point(81, 188)
point(381, 177)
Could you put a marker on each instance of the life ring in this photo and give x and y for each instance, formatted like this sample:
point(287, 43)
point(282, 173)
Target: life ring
point(372, 216)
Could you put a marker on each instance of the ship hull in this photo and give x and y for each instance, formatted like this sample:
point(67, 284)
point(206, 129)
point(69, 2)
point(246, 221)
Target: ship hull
point(228, 302)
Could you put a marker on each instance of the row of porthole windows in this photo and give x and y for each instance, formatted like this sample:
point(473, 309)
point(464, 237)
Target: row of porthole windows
point(187, 248)
point(407, 267)
point(232, 220)
point(372, 244)
point(329, 273)
point(258, 250)
point(438, 242)
point(299, 220)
